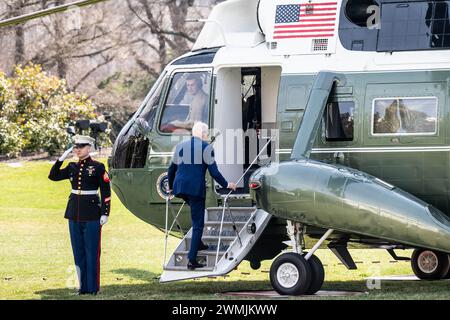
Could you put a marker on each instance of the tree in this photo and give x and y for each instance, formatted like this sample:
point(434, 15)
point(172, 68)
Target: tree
point(12, 8)
point(77, 37)
point(169, 36)
point(36, 109)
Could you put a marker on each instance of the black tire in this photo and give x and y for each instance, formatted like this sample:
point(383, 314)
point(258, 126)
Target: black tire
point(447, 276)
point(317, 275)
point(296, 263)
point(438, 264)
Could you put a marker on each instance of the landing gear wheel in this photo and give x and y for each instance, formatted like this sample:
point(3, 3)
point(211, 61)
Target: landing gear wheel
point(290, 274)
point(317, 275)
point(429, 264)
point(448, 273)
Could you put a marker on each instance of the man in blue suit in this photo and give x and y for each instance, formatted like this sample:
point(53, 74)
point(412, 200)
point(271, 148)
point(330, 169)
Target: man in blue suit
point(186, 176)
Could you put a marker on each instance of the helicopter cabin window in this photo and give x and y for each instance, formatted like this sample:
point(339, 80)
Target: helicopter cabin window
point(414, 26)
point(339, 121)
point(405, 116)
point(187, 102)
point(391, 26)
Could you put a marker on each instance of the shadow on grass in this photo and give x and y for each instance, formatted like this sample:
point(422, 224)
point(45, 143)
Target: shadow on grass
point(211, 289)
point(138, 274)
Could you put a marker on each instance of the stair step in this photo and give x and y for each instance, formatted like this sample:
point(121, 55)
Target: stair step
point(225, 223)
point(206, 258)
point(216, 238)
point(209, 252)
point(183, 268)
point(227, 230)
point(238, 214)
point(212, 243)
point(233, 209)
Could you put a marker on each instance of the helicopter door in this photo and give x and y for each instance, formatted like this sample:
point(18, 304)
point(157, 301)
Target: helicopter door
point(244, 114)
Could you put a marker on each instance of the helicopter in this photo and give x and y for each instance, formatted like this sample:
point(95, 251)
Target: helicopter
point(331, 116)
point(349, 104)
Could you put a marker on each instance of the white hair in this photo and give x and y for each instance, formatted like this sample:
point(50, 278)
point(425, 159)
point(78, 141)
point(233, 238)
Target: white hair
point(200, 129)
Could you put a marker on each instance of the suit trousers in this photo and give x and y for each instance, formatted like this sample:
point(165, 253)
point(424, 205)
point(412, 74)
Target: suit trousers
point(85, 237)
point(197, 206)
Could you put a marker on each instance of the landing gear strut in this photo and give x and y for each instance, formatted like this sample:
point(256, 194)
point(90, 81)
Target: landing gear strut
point(430, 265)
point(298, 272)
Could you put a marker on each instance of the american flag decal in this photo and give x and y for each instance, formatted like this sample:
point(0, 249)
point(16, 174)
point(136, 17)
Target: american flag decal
point(308, 20)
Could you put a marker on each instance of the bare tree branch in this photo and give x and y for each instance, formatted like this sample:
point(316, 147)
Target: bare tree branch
point(88, 74)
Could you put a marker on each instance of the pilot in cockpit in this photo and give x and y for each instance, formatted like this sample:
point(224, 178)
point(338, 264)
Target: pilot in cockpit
point(197, 100)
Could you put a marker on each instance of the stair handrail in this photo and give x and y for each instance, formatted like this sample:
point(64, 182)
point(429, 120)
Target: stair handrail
point(225, 202)
point(175, 217)
point(168, 230)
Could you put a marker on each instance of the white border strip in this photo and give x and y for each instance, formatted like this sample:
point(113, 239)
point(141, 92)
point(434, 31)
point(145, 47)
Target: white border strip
point(435, 132)
point(372, 150)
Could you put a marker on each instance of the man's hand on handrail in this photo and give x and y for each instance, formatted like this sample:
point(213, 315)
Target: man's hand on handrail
point(232, 185)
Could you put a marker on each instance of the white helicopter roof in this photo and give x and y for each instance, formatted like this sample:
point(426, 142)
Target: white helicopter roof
point(231, 23)
point(252, 33)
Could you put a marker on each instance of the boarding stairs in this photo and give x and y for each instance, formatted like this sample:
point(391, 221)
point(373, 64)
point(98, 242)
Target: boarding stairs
point(230, 233)
point(229, 240)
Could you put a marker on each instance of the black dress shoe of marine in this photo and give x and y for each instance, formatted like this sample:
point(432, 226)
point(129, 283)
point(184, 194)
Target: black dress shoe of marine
point(203, 247)
point(194, 265)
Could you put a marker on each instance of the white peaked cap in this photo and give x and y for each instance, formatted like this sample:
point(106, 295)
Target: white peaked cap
point(78, 139)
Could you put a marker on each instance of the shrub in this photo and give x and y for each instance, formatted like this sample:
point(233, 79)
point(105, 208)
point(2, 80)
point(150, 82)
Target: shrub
point(35, 111)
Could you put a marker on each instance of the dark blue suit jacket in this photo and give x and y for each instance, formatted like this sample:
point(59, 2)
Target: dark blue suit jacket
point(188, 168)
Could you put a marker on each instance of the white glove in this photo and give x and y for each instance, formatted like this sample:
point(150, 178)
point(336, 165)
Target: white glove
point(103, 220)
point(65, 154)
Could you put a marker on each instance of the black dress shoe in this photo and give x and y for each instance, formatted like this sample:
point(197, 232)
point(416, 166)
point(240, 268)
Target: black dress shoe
point(203, 247)
point(194, 265)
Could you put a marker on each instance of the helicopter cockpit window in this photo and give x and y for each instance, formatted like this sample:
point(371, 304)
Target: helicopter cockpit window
point(405, 116)
point(339, 120)
point(187, 102)
point(149, 112)
point(131, 146)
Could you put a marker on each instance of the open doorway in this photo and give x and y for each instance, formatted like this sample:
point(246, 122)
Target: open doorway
point(245, 115)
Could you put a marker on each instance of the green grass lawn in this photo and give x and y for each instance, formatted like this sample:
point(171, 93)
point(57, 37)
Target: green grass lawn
point(36, 260)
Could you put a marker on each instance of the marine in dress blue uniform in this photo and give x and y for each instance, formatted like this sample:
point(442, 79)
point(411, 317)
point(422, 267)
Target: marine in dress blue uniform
point(186, 176)
point(86, 212)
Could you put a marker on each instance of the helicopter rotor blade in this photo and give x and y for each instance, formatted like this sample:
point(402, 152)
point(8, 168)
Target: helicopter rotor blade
point(45, 12)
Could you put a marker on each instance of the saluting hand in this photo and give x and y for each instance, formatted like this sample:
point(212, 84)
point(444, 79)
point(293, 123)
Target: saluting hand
point(65, 154)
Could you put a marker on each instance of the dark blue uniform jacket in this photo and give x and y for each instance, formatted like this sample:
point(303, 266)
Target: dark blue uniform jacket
point(187, 171)
point(86, 175)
